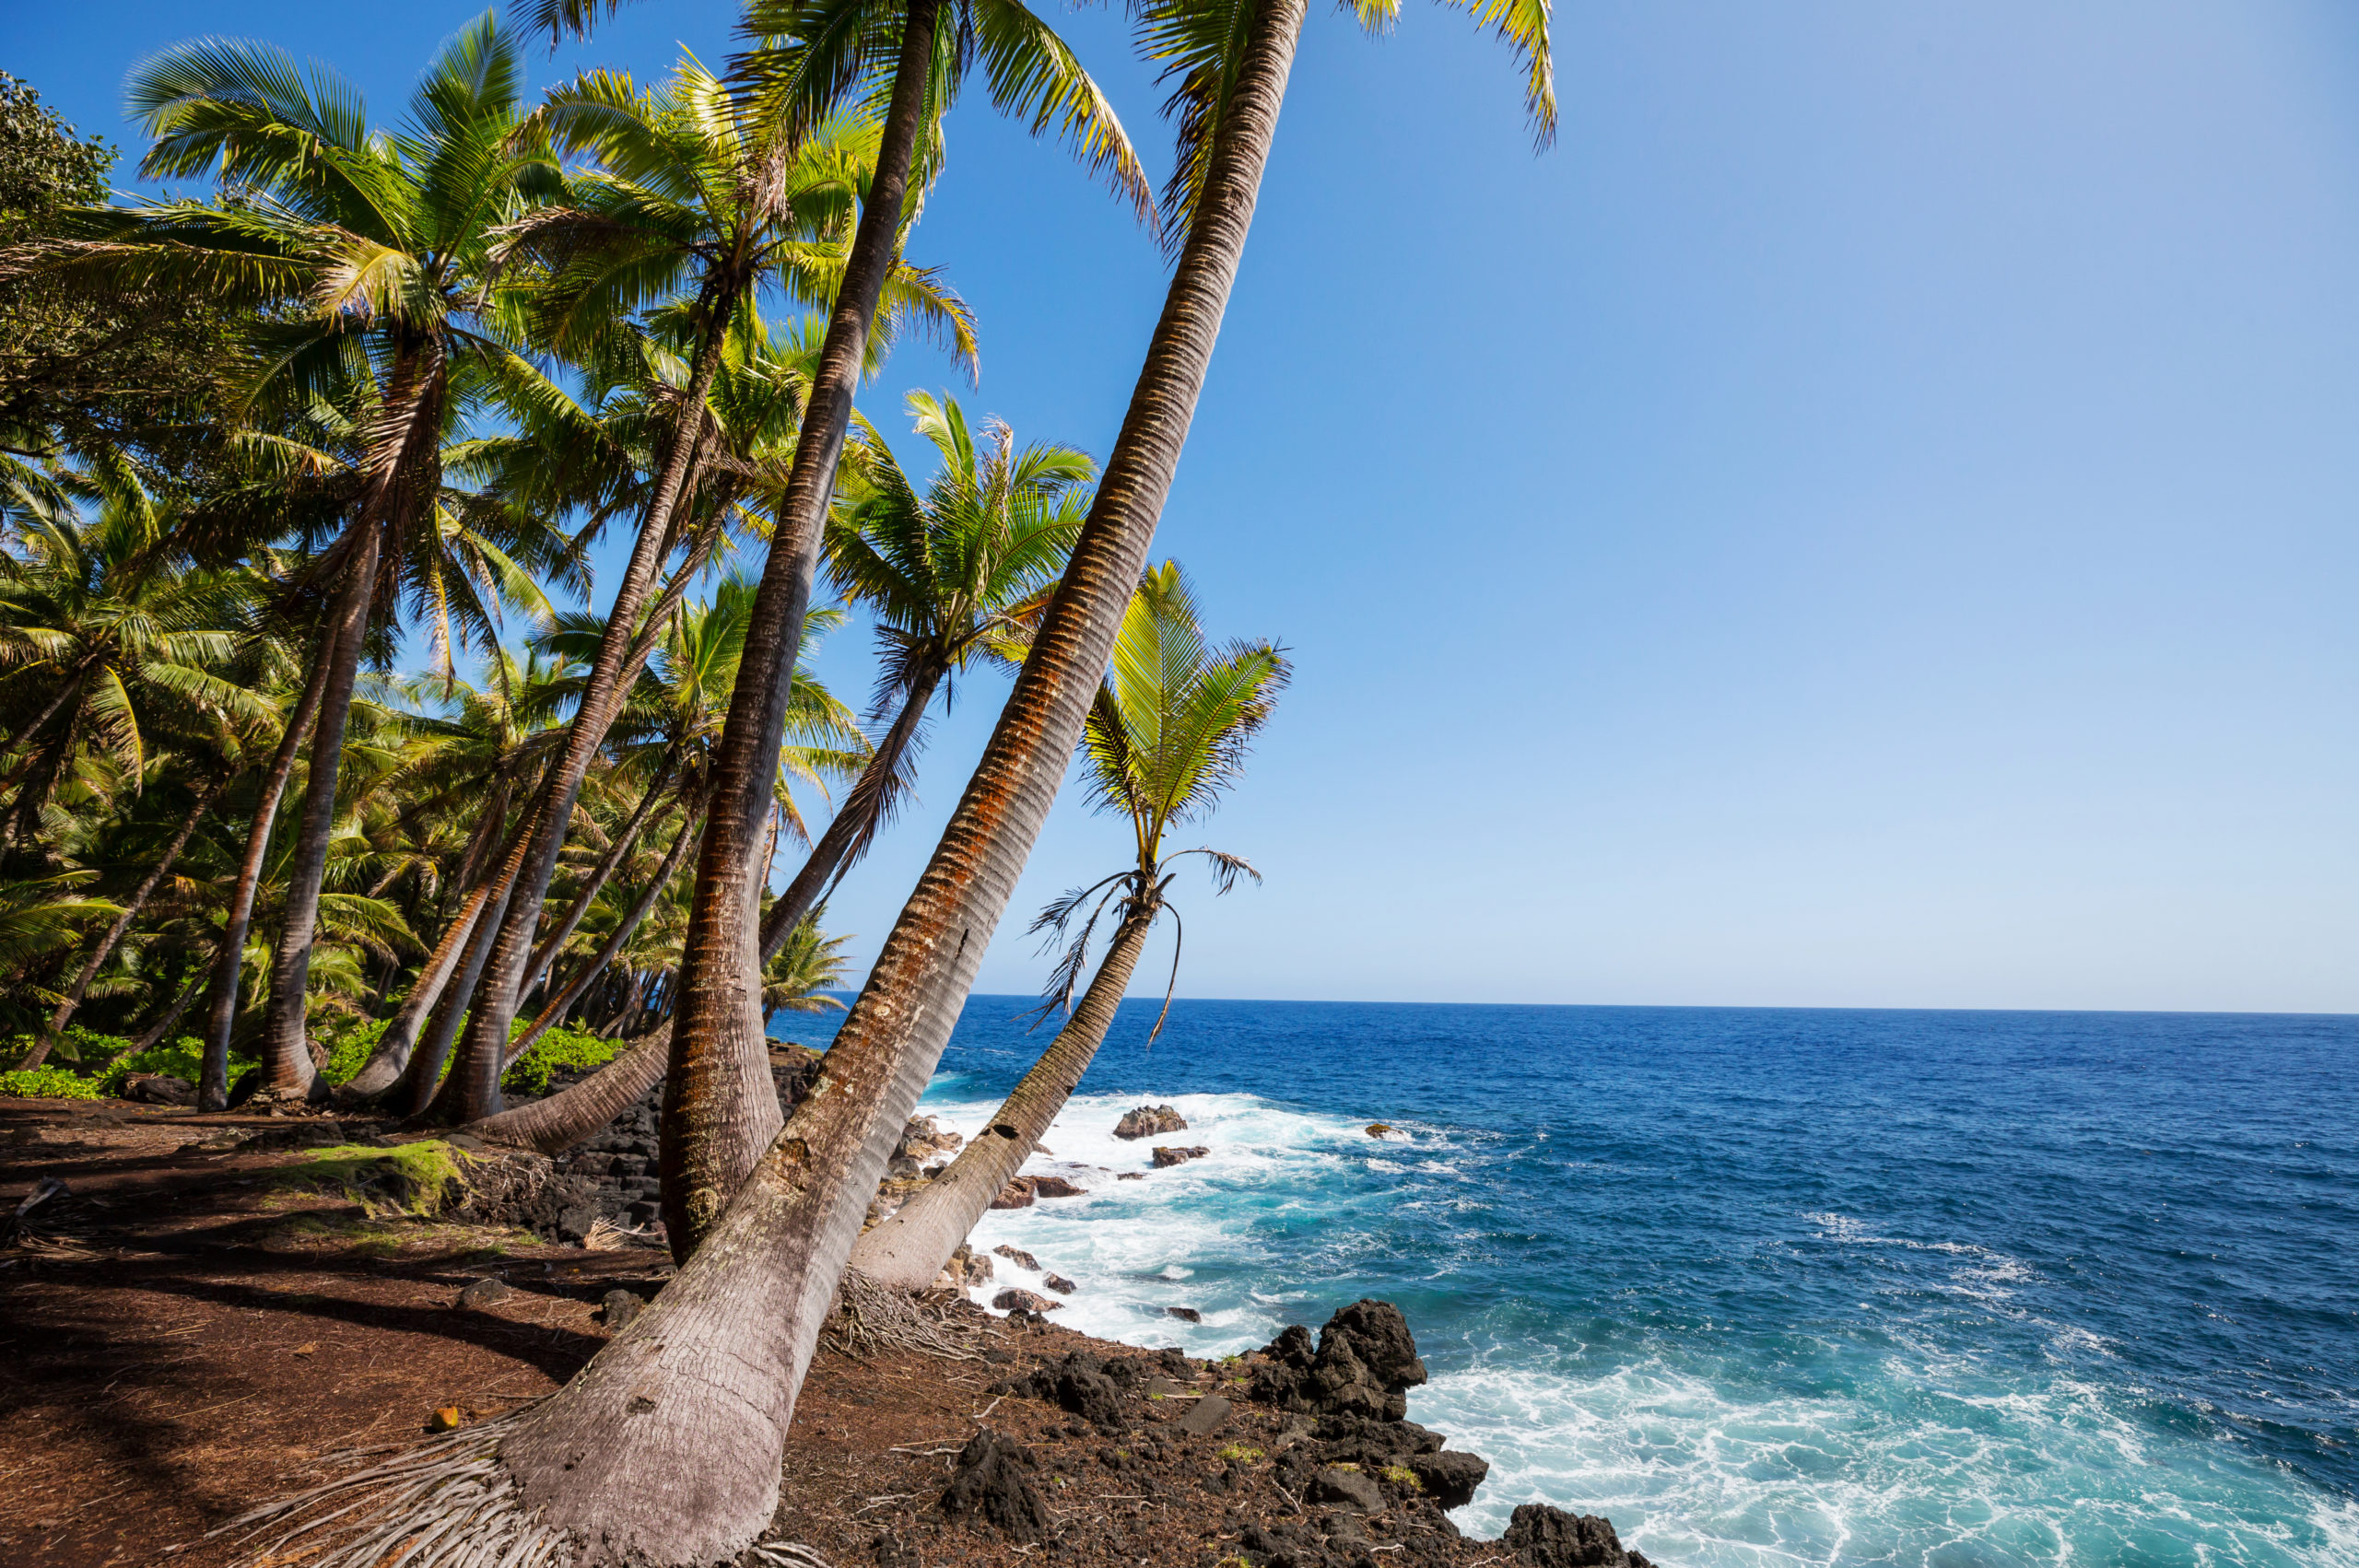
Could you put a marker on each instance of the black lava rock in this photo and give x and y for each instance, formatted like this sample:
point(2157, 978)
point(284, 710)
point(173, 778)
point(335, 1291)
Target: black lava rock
point(1550, 1537)
point(991, 1488)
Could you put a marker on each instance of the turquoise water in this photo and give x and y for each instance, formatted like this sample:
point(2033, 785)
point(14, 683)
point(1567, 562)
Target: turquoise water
point(1934, 1289)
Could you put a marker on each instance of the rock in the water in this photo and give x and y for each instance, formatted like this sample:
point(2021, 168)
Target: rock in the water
point(1165, 1158)
point(1056, 1187)
point(158, 1088)
point(1205, 1416)
point(1347, 1489)
point(1379, 1129)
point(1017, 1255)
point(1449, 1479)
point(1017, 1194)
point(617, 1308)
point(1011, 1298)
point(482, 1293)
point(1131, 1176)
point(1364, 1362)
point(991, 1488)
point(1185, 1313)
point(1058, 1283)
point(1550, 1537)
point(1150, 1122)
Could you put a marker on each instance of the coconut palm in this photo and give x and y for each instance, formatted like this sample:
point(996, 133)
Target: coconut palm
point(370, 255)
point(692, 205)
point(677, 714)
point(1167, 735)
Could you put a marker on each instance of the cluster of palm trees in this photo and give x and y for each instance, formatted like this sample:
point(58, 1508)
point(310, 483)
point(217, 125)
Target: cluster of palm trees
point(466, 352)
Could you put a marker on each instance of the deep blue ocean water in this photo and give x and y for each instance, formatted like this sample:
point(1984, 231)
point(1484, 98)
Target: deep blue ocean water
point(1935, 1289)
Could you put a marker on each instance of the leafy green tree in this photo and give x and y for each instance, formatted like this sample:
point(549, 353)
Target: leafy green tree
point(1167, 735)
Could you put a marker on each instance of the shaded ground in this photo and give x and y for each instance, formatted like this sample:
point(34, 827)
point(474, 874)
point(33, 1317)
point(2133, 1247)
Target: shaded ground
point(184, 1337)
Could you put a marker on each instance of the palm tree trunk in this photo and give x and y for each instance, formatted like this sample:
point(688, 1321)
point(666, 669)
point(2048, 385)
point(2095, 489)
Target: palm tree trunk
point(552, 945)
point(849, 834)
point(552, 1126)
point(621, 652)
point(107, 944)
point(719, 1106)
point(423, 1084)
point(705, 1378)
point(287, 1061)
point(909, 1249)
point(609, 949)
point(390, 1061)
point(66, 690)
point(212, 1086)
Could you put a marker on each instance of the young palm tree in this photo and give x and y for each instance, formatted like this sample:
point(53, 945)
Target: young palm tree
point(1167, 734)
point(370, 253)
point(708, 1376)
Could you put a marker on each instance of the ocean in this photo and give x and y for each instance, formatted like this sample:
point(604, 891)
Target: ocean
point(1765, 1287)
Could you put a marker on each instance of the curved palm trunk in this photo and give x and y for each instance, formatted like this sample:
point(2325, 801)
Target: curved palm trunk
point(720, 1107)
point(446, 1097)
point(66, 690)
point(704, 1382)
point(212, 1079)
point(621, 652)
point(608, 950)
point(66, 1009)
point(909, 1249)
point(849, 834)
point(389, 1062)
point(287, 1061)
point(553, 1124)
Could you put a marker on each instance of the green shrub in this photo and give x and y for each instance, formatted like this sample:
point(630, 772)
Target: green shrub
point(348, 1052)
point(47, 1082)
point(559, 1048)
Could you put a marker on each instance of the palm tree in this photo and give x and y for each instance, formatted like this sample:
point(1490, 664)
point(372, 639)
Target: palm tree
point(695, 201)
point(814, 58)
point(1167, 735)
point(371, 255)
point(708, 1375)
point(678, 713)
point(949, 575)
point(944, 572)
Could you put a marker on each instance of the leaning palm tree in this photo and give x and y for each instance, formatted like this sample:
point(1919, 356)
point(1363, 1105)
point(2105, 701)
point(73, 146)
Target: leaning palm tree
point(949, 575)
point(369, 254)
point(708, 1375)
point(1167, 734)
point(692, 204)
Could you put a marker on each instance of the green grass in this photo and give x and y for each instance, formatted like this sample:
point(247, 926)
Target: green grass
point(1402, 1475)
point(1241, 1454)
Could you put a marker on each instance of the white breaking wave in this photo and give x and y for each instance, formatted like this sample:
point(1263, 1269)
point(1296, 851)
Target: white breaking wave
point(1900, 1453)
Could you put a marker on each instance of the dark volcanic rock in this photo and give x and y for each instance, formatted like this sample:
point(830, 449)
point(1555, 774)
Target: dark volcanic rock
point(1166, 1158)
point(1017, 1255)
point(1011, 1298)
point(1185, 1313)
point(1449, 1479)
point(1056, 1187)
point(1204, 1416)
point(992, 1487)
point(1150, 1122)
point(158, 1088)
point(483, 1293)
point(1347, 1489)
point(1550, 1537)
point(1017, 1194)
point(1364, 1364)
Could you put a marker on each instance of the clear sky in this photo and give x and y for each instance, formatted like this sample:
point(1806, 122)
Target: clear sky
point(1866, 519)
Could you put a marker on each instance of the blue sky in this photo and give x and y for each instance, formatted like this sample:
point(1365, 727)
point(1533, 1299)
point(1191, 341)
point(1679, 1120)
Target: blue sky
point(1866, 519)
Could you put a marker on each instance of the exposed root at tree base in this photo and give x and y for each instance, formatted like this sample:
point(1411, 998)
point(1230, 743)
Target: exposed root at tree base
point(445, 1504)
point(873, 1319)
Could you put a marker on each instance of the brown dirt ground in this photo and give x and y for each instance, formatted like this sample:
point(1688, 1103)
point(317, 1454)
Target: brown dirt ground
point(183, 1341)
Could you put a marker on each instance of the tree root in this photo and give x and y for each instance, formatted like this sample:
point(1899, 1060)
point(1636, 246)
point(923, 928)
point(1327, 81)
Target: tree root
point(445, 1504)
point(870, 1318)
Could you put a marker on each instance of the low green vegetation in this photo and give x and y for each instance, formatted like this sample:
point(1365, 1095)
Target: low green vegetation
point(1402, 1475)
point(1241, 1454)
point(47, 1083)
point(418, 1180)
